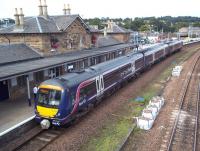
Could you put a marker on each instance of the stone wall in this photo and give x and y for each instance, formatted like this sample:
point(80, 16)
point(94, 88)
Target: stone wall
point(121, 37)
point(75, 37)
point(37, 41)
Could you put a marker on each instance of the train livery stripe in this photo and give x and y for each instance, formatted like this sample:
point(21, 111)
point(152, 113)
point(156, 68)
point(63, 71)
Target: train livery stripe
point(83, 84)
point(77, 100)
point(51, 87)
point(47, 112)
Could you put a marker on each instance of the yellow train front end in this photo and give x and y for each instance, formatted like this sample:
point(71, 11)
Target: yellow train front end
point(47, 105)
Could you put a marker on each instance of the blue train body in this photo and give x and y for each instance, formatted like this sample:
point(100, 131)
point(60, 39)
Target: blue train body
point(61, 99)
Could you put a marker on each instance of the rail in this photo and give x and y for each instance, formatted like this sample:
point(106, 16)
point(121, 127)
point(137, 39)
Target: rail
point(180, 107)
point(197, 119)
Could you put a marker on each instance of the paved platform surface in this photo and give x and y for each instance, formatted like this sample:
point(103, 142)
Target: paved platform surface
point(14, 112)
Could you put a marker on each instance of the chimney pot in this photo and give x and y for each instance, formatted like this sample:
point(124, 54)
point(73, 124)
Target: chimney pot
point(16, 12)
point(65, 10)
point(21, 11)
point(45, 9)
point(45, 4)
point(68, 10)
point(21, 17)
point(16, 17)
point(40, 8)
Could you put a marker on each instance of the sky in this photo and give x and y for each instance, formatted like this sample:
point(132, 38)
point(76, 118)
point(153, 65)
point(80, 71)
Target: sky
point(106, 8)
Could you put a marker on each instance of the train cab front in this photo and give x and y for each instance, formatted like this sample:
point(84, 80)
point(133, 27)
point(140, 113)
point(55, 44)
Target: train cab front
point(48, 105)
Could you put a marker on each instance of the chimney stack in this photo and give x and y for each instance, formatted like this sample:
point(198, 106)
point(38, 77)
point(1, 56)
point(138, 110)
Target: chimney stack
point(111, 25)
point(64, 10)
point(21, 17)
point(16, 17)
point(105, 32)
point(40, 9)
point(45, 9)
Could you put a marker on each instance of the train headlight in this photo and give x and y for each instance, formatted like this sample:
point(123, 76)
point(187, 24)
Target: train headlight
point(45, 124)
point(58, 114)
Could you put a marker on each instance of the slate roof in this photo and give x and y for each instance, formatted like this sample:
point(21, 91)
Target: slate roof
point(94, 30)
point(16, 53)
point(118, 29)
point(39, 24)
point(107, 41)
point(12, 70)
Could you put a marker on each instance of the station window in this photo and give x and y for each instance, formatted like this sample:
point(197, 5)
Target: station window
point(13, 82)
point(39, 76)
point(21, 81)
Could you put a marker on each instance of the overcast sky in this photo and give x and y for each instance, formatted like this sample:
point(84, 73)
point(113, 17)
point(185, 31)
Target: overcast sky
point(106, 8)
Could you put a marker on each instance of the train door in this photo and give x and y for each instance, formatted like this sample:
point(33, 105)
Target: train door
point(99, 85)
point(133, 67)
point(4, 94)
point(154, 56)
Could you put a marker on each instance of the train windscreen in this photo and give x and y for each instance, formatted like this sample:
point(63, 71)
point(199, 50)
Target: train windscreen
point(49, 97)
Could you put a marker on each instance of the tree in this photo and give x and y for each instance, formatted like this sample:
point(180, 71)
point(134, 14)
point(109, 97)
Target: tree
point(144, 27)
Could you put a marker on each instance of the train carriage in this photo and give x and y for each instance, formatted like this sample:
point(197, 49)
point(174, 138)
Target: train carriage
point(148, 58)
point(176, 46)
point(61, 99)
point(159, 54)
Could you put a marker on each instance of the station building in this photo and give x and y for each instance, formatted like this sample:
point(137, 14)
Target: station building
point(111, 30)
point(43, 47)
point(21, 67)
point(47, 33)
point(189, 31)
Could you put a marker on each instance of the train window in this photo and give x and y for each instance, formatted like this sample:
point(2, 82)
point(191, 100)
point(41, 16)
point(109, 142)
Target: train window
point(87, 91)
point(83, 94)
point(49, 97)
point(110, 78)
point(72, 97)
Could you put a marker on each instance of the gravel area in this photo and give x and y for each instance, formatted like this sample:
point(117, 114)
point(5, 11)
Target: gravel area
point(156, 139)
point(89, 125)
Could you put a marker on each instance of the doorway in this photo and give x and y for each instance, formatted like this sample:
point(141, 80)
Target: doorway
point(4, 93)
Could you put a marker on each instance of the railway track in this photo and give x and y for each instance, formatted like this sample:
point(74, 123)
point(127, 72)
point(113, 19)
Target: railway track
point(185, 129)
point(41, 140)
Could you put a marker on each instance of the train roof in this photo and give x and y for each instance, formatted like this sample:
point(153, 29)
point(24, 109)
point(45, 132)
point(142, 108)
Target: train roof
point(154, 48)
point(74, 78)
point(174, 42)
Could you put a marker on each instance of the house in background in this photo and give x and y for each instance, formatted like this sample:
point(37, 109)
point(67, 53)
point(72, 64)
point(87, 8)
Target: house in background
point(5, 22)
point(189, 31)
point(47, 33)
point(112, 31)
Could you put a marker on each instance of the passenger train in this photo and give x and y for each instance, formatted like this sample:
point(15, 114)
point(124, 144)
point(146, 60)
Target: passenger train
point(62, 99)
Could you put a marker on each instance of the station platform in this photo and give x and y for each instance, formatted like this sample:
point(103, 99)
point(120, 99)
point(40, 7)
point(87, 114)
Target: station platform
point(14, 112)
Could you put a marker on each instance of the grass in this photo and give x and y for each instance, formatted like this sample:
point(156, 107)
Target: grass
point(113, 133)
point(109, 138)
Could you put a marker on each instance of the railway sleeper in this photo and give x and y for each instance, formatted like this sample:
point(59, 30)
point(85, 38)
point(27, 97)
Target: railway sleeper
point(183, 139)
